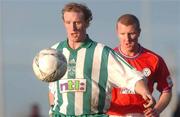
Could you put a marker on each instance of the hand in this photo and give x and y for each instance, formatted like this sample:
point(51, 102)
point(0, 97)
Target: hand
point(149, 101)
point(151, 112)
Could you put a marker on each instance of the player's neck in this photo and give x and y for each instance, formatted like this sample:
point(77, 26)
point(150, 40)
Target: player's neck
point(75, 45)
point(130, 53)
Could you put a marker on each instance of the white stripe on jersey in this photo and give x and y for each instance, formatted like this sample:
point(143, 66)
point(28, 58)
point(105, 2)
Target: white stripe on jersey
point(66, 54)
point(63, 108)
point(108, 97)
point(116, 71)
point(55, 46)
point(95, 76)
point(121, 74)
point(79, 74)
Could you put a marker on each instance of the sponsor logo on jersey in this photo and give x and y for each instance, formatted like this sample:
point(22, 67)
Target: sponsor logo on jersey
point(146, 72)
point(72, 85)
point(126, 91)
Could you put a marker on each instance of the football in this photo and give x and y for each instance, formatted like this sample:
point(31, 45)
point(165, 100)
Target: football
point(49, 65)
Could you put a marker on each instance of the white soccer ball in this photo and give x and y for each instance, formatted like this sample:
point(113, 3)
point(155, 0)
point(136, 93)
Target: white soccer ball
point(49, 65)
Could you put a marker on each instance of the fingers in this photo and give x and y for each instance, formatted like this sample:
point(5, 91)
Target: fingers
point(149, 105)
point(149, 101)
point(148, 112)
point(151, 113)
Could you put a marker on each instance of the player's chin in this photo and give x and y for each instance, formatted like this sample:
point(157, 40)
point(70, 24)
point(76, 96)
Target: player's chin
point(75, 38)
point(78, 39)
point(129, 48)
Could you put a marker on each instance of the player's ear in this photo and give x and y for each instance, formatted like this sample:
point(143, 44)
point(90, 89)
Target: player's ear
point(87, 24)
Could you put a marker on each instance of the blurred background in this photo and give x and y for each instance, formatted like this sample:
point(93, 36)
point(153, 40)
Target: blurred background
point(27, 26)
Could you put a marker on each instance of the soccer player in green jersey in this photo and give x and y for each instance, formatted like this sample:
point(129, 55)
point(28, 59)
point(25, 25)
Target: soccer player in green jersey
point(93, 69)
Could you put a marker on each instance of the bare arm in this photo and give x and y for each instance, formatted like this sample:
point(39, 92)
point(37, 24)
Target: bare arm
point(162, 103)
point(51, 102)
point(142, 89)
point(51, 98)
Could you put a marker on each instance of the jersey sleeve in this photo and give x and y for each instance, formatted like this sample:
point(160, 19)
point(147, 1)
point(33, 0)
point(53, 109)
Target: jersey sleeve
point(162, 77)
point(121, 74)
point(52, 87)
point(55, 46)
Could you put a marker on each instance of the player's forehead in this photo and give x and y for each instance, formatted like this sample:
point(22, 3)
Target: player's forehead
point(124, 26)
point(72, 15)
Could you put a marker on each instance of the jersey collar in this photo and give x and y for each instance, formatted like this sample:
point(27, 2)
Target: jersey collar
point(131, 57)
point(86, 44)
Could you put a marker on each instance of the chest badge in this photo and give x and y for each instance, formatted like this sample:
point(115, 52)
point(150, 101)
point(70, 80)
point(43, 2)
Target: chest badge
point(146, 72)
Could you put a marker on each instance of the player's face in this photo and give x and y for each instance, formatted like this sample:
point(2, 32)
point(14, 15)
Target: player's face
point(75, 26)
point(128, 37)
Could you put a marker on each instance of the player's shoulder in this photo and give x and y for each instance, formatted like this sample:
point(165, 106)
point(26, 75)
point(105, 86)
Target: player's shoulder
point(151, 54)
point(153, 58)
point(101, 45)
point(56, 45)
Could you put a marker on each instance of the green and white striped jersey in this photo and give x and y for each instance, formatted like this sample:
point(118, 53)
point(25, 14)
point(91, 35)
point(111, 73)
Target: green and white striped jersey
point(93, 69)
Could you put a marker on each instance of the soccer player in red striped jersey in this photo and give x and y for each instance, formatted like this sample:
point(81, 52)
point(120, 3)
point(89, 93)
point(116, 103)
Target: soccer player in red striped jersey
point(124, 102)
